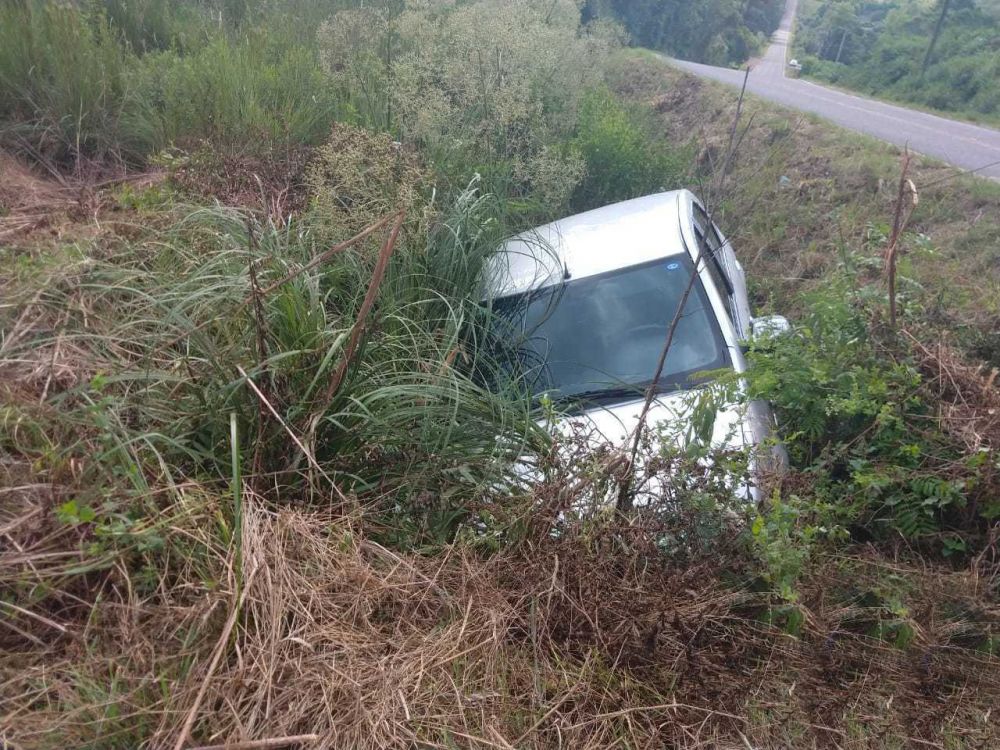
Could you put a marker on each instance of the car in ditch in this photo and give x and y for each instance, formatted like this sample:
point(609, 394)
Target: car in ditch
point(585, 306)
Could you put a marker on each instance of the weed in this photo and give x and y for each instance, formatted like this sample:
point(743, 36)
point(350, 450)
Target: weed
point(622, 155)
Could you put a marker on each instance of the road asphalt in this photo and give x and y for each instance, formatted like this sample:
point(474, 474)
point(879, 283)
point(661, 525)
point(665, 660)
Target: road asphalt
point(961, 144)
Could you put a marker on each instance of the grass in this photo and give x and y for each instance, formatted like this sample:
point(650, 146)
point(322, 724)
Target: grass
point(421, 597)
point(75, 85)
point(62, 80)
point(623, 156)
point(549, 644)
point(156, 450)
point(183, 307)
point(249, 96)
point(250, 489)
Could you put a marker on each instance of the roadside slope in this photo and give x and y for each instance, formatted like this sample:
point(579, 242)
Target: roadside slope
point(803, 195)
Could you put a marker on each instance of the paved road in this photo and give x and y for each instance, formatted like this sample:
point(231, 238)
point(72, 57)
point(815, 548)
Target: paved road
point(957, 143)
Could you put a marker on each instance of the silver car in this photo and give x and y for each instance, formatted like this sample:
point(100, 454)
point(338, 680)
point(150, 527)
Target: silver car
point(588, 302)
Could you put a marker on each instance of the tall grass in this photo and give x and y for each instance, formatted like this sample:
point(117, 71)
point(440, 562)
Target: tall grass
point(150, 25)
point(164, 460)
point(113, 80)
point(248, 95)
point(63, 80)
point(163, 339)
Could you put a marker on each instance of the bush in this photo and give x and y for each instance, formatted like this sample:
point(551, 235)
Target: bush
point(357, 177)
point(481, 87)
point(860, 424)
point(623, 155)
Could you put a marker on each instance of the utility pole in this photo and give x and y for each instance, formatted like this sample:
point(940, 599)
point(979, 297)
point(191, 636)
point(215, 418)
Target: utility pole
point(840, 50)
point(945, 6)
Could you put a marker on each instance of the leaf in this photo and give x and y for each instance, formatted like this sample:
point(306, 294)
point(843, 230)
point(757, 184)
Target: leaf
point(74, 514)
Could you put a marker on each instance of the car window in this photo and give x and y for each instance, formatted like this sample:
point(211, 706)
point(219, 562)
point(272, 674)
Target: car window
point(602, 332)
point(710, 246)
point(706, 229)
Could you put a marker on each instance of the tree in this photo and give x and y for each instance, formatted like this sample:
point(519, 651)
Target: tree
point(717, 31)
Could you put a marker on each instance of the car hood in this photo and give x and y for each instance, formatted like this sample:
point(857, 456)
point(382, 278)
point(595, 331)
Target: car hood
point(743, 425)
point(612, 425)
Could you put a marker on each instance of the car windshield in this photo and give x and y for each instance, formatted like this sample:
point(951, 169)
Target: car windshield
point(601, 337)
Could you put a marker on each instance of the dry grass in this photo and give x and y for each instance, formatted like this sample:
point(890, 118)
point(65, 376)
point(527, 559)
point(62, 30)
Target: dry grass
point(272, 182)
point(565, 643)
point(966, 394)
point(29, 202)
point(46, 203)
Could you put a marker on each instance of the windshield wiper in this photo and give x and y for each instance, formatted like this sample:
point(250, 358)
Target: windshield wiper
point(610, 393)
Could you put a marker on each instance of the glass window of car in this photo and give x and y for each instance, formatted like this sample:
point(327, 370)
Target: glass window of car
point(600, 338)
point(711, 246)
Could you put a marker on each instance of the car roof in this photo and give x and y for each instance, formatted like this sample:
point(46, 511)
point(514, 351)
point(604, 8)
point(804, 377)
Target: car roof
point(605, 239)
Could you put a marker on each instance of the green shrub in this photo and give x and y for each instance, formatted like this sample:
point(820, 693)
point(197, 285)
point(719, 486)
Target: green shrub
point(357, 177)
point(484, 87)
point(859, 423)
point(624, 156)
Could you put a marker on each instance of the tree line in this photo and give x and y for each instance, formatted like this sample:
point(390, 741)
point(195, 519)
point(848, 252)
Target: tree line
point(943, 54)
point(721, 32)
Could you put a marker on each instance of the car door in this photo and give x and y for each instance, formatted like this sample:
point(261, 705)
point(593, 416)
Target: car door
point(760, 422)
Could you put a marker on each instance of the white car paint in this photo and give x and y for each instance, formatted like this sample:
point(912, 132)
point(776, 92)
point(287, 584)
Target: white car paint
point(617, 237)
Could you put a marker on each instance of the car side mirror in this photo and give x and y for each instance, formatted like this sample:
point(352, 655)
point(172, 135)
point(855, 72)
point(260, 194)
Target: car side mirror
point(768, 327)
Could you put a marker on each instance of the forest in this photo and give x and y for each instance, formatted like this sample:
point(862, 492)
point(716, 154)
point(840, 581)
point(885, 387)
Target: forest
point(944, 55)
point(721, 32)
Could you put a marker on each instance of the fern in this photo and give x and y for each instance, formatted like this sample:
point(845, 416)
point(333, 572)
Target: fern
point(913, 519)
